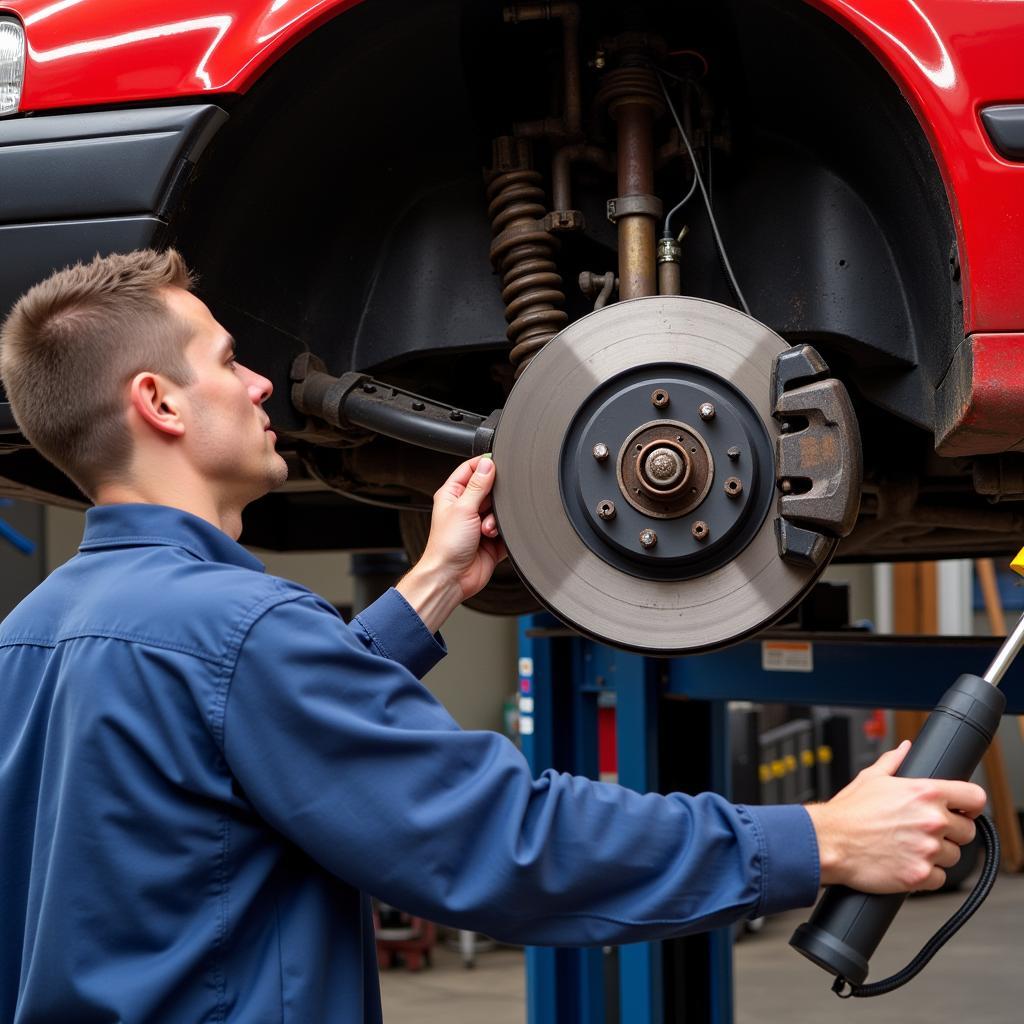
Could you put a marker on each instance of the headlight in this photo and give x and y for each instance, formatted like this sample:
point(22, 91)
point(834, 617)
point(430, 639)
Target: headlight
point(12, 64)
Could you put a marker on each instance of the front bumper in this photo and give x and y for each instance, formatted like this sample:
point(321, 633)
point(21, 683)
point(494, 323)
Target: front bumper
point(75, 185)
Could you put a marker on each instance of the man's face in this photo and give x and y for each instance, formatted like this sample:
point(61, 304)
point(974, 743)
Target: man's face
point(227, 433)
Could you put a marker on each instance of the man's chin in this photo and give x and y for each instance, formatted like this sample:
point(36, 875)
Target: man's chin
point(274, 475)
point(278, 473)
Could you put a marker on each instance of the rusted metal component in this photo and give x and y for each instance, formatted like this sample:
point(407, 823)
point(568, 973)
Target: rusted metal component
point(665, 469)
point(633, 99)
point(628, 206)
point(561, 170)
point(522, 251)
point(700, 530)
point(601, 452)
point(669, 267)
point(358, 408)
point(636, 177)
point(706, 411)
point(733, 486)
point(648, 538)
point(659, 399)
point(598, 287)
point(979, 405)
point(820, 461)
point(563, 220)
point(606, 510)
point(899, 519)
point(636, 250)
point(569, 125)
point(999, 477)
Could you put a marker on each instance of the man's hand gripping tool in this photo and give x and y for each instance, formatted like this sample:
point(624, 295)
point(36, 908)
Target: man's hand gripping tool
point(847, 926)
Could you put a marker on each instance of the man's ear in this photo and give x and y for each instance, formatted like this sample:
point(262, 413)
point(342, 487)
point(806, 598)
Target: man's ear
point(158, 402)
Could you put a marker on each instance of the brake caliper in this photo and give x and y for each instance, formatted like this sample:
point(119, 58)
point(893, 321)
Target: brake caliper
point(818, 461)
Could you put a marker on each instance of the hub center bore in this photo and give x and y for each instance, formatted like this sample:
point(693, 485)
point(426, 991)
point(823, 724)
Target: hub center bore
point(665, 469)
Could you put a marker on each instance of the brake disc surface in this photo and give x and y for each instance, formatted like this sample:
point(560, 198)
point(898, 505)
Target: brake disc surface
point(636, 477)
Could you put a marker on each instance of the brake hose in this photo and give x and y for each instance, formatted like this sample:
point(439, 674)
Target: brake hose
point(963, 914)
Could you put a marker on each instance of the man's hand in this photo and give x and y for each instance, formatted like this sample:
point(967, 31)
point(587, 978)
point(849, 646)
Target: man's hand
point(463, 548)
point(883, 834)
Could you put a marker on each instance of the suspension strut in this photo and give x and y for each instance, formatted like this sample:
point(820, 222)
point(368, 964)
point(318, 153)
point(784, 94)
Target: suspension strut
point(633, 98)
point(522, 251)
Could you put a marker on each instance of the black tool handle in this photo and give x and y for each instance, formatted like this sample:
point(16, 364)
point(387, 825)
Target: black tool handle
point(846, 925)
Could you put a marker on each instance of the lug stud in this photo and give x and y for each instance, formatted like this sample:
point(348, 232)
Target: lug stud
point(707, 411)
point(733, 486)
point(606, 510)
point(600, 451)
point(700, 530)
point(648, 538)
point(733, 453)
point(659, 399)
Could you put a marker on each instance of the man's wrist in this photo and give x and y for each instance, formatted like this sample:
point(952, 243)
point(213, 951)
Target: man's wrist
point(830, 858)
point(431, 592)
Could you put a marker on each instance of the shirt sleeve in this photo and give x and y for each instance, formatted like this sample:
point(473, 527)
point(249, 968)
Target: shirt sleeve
point(391, 628)
point(350, 757)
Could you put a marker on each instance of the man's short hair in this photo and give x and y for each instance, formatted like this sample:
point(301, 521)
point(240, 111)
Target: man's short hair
point(71, 346)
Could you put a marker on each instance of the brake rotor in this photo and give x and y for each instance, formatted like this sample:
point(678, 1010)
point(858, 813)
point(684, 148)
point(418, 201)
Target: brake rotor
point(636, 477)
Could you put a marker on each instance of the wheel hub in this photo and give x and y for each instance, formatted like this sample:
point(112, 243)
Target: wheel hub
point(664, 469)
point(665, 474)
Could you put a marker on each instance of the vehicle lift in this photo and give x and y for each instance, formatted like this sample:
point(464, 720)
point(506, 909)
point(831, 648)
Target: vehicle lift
point(672, 734)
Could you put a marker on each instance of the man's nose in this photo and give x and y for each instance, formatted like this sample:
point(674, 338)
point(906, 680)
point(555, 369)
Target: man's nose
point(260, 388)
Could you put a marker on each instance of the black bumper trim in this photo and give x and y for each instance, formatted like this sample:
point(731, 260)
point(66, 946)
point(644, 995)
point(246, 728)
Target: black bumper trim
point(98, 164)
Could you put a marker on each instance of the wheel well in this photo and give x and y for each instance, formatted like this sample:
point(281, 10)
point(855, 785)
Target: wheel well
point(343, 206)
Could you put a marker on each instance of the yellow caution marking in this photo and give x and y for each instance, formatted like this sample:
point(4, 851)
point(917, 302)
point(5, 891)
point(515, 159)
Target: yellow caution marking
point(1017, 565)
point(790, 761)
point(807, 758)
point(825, 754)
point(764, 772)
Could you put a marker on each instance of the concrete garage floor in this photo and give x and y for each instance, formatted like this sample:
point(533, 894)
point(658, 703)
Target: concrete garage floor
point(492, 992)
point(977, 979)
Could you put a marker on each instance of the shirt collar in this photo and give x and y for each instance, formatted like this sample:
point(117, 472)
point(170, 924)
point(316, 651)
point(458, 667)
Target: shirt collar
point(141, 525)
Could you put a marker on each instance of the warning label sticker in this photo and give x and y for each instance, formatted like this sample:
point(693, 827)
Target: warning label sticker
point(787, 656)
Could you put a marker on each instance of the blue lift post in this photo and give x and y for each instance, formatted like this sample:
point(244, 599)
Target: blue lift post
point(685, 701)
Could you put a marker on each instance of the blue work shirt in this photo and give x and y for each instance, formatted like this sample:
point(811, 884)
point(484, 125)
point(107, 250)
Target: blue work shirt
point(204, 772)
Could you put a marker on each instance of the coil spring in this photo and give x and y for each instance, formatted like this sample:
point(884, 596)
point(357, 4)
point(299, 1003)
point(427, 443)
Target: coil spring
point(522, 251)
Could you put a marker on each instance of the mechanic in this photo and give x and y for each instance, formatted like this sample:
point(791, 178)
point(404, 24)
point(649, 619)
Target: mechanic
point(204, 772)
